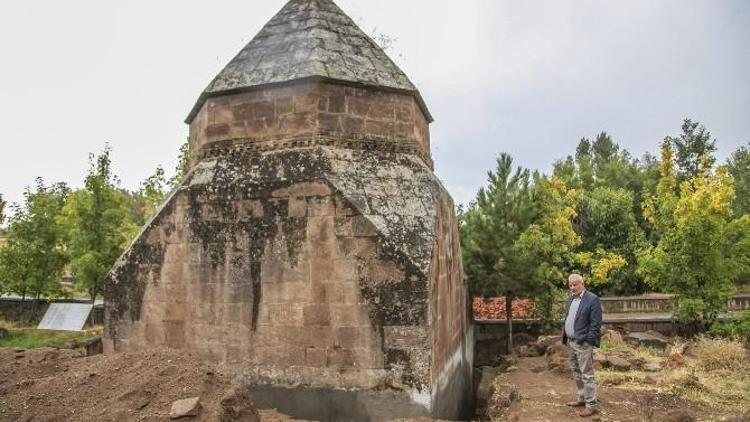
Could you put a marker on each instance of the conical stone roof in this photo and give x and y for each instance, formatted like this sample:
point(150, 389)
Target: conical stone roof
point(309, 39)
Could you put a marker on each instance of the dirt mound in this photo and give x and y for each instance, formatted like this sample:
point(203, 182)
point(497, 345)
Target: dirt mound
point(62, 385)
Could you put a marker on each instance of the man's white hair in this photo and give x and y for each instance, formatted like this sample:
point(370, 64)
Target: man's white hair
point(575, 277)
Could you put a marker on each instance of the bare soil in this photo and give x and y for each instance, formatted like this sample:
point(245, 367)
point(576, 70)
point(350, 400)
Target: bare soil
point(61, 385)
point(544, 394)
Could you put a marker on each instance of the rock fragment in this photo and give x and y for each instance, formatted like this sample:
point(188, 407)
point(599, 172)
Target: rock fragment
point(185, 407)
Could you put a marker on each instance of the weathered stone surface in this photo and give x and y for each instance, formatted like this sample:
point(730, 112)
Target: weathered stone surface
point(530, 350)
point(600, 359)
point(237, 406)
point(647, 340)
point(652, 367)
point(612, 335)
point(544, 342)
point(310, 244)
point(618, 363)
point(185, 407)
point(263, 279)
point(310, 38)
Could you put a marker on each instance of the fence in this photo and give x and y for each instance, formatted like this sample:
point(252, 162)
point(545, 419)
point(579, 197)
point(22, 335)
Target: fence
point(31, 311)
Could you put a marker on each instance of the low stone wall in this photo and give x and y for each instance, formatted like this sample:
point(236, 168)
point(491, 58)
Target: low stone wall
point(740, 302)
point(31, 311)
point(491, 336)
point(660, 303)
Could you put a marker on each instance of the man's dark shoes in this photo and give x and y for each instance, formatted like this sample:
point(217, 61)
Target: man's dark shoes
point(575, 404)
point(588, 412)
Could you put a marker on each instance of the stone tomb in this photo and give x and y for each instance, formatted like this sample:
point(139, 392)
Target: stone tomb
point(310, 250)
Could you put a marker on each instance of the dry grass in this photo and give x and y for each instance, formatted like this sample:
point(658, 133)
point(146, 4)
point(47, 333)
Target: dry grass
point(649, 354)
point(716, 373)
point(716, 354)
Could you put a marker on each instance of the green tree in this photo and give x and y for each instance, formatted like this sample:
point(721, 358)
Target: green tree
point(501, 212)
point(549, 250)
point(183, 160)
point(32, 261)
point(154, 190)
point(702, 248)
point(693, 146)
point(585, 165)
point(97, 225)
point(602, 163)
point(738, 166)
point(605, 220)
point(2, 210)
point(146, 200)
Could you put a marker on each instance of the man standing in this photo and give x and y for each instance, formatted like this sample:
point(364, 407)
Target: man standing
point(581, 332)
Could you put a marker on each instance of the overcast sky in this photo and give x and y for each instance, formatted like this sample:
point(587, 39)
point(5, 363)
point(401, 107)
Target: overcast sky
point(525, 77)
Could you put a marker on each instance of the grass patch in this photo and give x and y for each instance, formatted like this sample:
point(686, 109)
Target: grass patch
point(648, 354)
point(31, 338)
point(719, 353)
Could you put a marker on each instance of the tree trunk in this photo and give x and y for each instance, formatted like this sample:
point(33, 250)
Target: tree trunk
point(35, 308)
point(22, 317)
point(509, 319)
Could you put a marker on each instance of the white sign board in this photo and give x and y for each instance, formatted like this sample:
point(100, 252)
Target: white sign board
point(66, 316)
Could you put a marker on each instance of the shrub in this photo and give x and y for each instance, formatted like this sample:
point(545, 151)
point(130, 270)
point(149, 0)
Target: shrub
point(735, 328)
point(720, 353)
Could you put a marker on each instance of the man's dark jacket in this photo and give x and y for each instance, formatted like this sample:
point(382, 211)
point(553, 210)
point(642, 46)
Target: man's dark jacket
point(588, 322)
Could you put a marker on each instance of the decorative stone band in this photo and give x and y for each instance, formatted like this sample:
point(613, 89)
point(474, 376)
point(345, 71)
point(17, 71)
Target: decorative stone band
point(368, 143)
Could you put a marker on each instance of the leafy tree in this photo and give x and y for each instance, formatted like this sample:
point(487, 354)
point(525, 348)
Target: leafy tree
point(701, 247)
point(549, 250)
point(693, 146)
point(32, 261)
point(602, 163)
point(501, 212)
point(2, 209)
point(738, 166)
point(609, 185)
point(183, 159)
point(605, 221)
point(145, 201)
point(97, 225)
point(154, 190)
point(585, 164)
point(604, 150)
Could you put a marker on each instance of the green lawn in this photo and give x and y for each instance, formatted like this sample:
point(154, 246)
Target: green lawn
point(31, 338)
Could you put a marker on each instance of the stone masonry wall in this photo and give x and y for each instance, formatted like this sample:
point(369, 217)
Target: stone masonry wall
point(299, 267)
point(451, 319)
point(289, 116)
point(310, 246)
